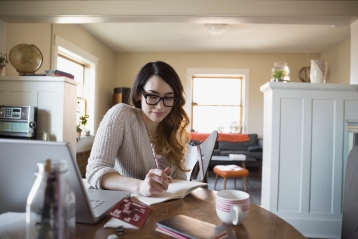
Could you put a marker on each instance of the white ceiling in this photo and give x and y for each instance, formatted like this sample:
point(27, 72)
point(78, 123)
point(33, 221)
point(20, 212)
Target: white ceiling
point(193, 37)
point(300, 26)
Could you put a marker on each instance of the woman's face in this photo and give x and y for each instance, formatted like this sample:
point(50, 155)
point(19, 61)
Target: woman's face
point(155, 86)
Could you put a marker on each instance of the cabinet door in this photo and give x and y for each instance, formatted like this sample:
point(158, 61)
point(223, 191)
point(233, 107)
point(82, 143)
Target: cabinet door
point(56, 101)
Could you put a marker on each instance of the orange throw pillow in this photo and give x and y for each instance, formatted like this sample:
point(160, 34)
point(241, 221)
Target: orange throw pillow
point(199, 136)
point(228, 137)
point(233, 137)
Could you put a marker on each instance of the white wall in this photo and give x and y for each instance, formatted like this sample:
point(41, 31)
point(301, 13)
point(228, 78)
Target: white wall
point(354, 53)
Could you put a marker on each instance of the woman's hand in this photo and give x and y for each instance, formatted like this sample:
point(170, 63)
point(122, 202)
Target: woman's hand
point(167, 171)
point(155, 181)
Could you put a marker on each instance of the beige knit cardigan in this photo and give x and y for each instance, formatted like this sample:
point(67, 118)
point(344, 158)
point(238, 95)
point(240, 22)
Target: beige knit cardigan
point(121, 145)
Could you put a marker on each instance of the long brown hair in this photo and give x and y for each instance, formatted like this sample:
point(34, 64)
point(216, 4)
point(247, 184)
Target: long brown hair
point(171, 132)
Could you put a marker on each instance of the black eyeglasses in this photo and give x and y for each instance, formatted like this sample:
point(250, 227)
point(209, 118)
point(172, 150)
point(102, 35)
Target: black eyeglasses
point(154, 99)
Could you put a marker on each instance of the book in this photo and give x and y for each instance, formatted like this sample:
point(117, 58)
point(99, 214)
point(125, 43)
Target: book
point(182, 226)
point(177, 189)
point(33, 74)
point(59, 73)
point(239, 157)
point(129, 214)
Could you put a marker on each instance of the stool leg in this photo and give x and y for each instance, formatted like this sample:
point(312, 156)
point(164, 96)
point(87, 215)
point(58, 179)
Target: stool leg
point(225, 183)
point(216, 180)
point(235, 183)
point(245, 179)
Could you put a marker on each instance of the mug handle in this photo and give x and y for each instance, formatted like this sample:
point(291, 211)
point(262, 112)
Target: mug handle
point(237, 213)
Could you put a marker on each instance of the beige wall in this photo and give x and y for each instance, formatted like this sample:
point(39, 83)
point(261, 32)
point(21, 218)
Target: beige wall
point(119, 70)
point(29, 33)
point(260, 66)
point(106, 65)
point(338, 58)
point(354, 53)
point(3, 41)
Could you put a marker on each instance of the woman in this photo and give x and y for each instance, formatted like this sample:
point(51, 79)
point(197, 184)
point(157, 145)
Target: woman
point(141, 148)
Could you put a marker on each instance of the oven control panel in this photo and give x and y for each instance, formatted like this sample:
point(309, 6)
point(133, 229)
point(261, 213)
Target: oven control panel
point(10, 113)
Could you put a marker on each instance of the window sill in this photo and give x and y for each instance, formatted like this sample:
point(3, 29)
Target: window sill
point(85, 143)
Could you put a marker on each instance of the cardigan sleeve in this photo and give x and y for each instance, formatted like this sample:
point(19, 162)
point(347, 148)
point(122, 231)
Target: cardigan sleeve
point(109, 137)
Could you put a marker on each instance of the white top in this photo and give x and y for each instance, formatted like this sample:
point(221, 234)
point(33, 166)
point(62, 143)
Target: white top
point(307, 86)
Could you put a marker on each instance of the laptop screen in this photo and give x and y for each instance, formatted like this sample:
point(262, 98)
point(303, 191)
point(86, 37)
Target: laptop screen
point(19, 160)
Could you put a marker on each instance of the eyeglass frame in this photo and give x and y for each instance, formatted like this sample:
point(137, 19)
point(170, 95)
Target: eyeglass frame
point(160, 98)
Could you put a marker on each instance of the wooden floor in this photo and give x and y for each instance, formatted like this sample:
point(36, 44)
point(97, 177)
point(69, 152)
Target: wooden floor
point(253, 184)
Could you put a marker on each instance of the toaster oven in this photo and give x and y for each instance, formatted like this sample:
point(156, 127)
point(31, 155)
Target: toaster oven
point(18, 122)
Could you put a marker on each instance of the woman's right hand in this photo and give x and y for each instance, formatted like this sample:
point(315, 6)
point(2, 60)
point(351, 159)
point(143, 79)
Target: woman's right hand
point(155, 181)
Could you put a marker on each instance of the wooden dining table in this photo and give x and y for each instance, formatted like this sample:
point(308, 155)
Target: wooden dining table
point(199, 204)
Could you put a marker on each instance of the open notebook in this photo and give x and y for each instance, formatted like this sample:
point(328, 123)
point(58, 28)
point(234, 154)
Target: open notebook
point(177, 189)
point(17, 175)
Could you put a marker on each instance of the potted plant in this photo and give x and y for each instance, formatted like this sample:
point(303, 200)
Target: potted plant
point(280, 72)
point(81, 123)
point(278, 75)
point(3, 61)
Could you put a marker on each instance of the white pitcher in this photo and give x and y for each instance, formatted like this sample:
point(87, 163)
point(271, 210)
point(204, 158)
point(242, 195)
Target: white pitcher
point(318, 71)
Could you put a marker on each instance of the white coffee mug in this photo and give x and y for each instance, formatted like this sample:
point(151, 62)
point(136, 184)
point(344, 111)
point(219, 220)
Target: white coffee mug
point(232, 206)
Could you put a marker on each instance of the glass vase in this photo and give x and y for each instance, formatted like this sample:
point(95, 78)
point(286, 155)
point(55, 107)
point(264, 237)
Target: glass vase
point(280, 72)
point(50, 208)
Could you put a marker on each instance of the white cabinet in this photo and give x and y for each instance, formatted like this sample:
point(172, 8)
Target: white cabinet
point(303, 153)
point(55, 97)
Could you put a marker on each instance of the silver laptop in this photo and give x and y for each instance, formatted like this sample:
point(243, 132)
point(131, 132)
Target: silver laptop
point(19, 159)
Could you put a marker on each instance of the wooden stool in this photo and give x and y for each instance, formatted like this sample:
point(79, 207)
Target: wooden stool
point(231, 171)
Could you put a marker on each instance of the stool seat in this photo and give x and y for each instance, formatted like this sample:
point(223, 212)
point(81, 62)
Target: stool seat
point(230, 171)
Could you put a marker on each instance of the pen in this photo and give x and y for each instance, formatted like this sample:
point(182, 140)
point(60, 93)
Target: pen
point(155, 157)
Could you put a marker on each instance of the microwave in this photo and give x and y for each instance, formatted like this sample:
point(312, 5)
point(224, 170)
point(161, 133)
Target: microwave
point(18, 122)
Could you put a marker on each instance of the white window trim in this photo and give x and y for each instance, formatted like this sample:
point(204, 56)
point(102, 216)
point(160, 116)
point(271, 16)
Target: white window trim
point(220, 72)
point(78, 53)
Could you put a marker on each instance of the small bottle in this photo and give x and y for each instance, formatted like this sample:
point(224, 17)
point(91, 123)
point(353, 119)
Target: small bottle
point(50, 207)
point(44, 136)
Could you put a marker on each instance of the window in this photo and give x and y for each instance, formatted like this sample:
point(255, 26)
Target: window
point(217, 104)
point(82, 64)
point(73, 67)
point(220, 73)
point(77, 69)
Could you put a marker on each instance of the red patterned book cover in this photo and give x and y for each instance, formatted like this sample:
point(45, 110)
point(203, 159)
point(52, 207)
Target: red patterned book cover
point(130, 212)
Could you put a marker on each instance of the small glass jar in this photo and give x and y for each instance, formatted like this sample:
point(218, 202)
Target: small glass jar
point(50, 207)
point(280, 72)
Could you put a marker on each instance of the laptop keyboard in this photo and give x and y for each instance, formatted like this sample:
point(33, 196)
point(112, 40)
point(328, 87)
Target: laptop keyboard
point(96, 203)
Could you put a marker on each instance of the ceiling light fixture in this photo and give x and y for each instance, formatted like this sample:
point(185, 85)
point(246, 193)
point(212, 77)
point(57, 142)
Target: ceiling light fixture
point(216, 29)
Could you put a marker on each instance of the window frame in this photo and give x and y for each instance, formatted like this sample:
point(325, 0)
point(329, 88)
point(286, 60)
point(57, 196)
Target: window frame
point(243, 73)
point(82, 64)
point(73, 51)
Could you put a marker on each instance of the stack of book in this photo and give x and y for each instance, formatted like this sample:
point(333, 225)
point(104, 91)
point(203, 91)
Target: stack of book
point(239, 157)
point(182, 227)
point(59, 73)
